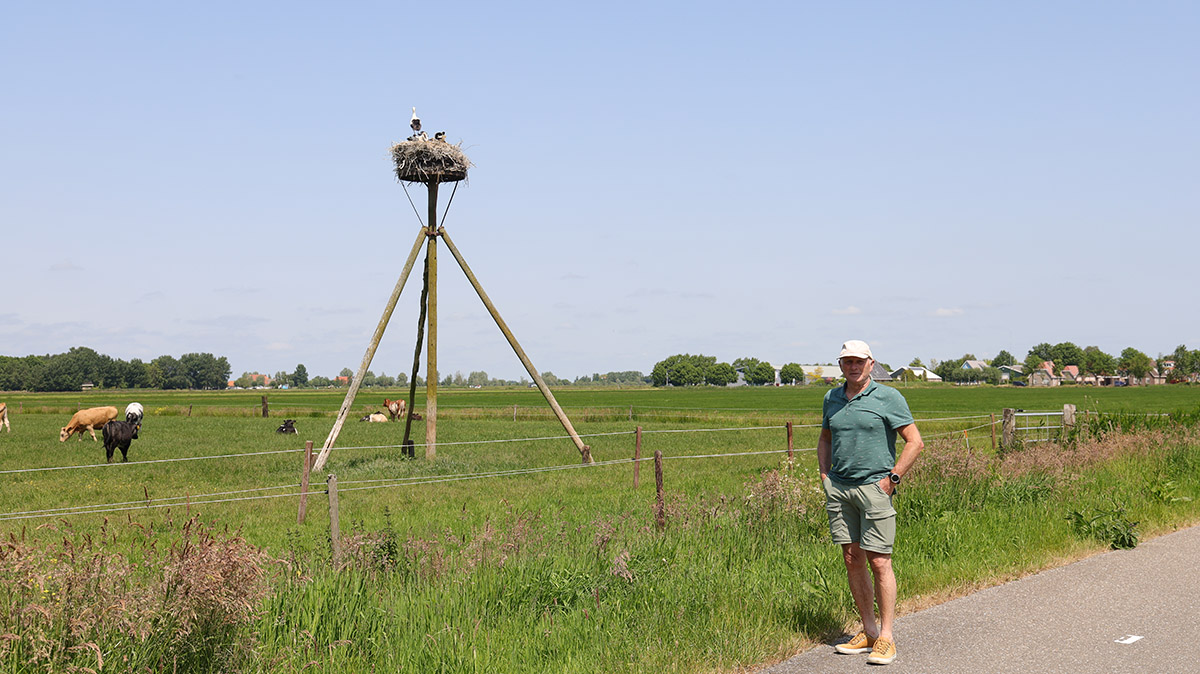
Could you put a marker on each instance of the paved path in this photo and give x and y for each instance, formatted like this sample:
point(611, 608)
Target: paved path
point(1124, 611)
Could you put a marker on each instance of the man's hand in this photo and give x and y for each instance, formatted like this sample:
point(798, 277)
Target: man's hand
point(887, 486)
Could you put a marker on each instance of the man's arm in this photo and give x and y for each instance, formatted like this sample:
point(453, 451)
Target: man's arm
point(825, 452)
point(913, 444)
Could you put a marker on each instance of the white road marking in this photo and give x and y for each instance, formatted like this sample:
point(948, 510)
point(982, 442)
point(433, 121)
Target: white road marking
point(1128, 640)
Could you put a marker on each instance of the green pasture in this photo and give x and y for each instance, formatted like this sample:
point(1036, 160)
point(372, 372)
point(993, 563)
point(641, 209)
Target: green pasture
point(504, 553)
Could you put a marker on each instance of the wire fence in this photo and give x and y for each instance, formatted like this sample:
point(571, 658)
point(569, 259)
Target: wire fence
point(289, 489)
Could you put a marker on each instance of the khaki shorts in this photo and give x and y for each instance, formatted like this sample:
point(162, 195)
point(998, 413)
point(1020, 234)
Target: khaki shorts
point(861, 514)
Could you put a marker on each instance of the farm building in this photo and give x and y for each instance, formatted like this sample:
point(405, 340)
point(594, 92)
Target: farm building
point(915, 373)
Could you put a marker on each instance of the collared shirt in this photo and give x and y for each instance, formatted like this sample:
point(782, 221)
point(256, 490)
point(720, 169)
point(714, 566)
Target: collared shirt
point(863, 430)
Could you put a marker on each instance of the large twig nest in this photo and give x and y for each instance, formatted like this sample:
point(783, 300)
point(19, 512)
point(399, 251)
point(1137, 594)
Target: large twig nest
point(429, 161)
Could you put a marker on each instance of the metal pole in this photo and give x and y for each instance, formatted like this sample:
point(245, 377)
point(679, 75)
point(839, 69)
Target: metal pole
point(366, 362)
point(407, 446)
point(584, 450)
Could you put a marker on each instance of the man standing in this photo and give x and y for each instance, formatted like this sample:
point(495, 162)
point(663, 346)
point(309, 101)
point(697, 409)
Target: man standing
point(856, 454)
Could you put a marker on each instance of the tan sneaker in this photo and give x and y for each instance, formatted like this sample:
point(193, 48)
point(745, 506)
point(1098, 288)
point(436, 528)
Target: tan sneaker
point(883, 653)
point(861, 643)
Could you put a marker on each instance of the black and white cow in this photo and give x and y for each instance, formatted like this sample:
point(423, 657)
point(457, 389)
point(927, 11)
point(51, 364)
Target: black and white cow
point(118, 434)
point(288, 426)
point(134, 414)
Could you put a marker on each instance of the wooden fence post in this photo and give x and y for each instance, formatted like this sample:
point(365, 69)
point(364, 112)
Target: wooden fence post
point(1009, 431)
point(993, 432)
point(1068, 419)
point(637, 457)
point(514, 412)
point(264, 406)
point(189, 411)
point(334, 532)
point(660, 515)
point(631, 412)
point(304, 481)
point(791, 455)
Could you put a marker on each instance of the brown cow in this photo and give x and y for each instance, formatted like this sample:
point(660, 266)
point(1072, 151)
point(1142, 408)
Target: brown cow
point(395, 408)
point(4, 417)
point(87, 420)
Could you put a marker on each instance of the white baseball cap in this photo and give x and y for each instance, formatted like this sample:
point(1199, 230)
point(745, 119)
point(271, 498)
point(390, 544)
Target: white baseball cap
point(855, 348)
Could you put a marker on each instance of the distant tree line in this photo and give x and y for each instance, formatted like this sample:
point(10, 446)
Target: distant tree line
point(688, 370)
point(71, 370)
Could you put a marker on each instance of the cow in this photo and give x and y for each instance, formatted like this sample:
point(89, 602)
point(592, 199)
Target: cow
point(4, 417)
point(375, 417)
point(395, 408)
point(134, 413)
point(87, 420)
point(118, 434)
point(288, 426)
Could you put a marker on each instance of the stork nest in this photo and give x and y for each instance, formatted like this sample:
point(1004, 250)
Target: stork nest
point(430, 161)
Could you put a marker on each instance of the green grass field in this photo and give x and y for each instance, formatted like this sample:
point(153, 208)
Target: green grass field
point(550, 566)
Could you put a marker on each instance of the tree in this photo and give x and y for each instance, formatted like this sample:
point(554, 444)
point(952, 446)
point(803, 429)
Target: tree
point(1097, 362)
point(173, 375)
point(1043, 351)
point(681, 370)
point(1003, 358)
point(916, 362)
point(477, 378)
point(745, 364)
point(1066, 353)
point(1136, 363)
point(204, 371)
point(720, 374)
point(346, 372)
point(791, 373)
point(761, 374)
point(320, 382)
point(550, 378)
point(300, 376)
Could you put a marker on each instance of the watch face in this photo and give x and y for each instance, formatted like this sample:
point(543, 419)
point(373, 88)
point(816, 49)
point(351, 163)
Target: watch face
point(894, 477)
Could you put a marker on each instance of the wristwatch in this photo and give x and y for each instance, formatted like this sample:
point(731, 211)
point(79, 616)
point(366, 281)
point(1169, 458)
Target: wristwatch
point(894, 477)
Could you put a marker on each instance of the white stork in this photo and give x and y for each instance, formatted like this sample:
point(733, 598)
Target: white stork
point(440, 135)
point(415, 122)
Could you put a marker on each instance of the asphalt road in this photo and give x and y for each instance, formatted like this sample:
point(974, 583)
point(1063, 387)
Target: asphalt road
point(1123, 611)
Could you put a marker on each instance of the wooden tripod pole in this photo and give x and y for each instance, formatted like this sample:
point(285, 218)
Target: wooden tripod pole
point(584, 450)
point(366, 362)
point(431, 372)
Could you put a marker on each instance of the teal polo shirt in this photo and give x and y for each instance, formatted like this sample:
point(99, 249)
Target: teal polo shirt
point(864, 432)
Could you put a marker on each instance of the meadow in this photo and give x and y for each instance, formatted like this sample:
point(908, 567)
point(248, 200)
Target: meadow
point(504, 553)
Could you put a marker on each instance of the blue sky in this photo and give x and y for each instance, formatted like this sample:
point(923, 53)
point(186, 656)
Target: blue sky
point(732, 179)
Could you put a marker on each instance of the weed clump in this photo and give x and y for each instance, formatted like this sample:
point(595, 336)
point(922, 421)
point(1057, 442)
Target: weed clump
point(180, 600)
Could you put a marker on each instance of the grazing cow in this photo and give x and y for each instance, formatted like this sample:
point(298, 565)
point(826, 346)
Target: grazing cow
point(87, 420)
point(4, 417)
point(134, 413)
point(375, 417)
point(288, 426)
point(118, 434)
point(395, 408)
